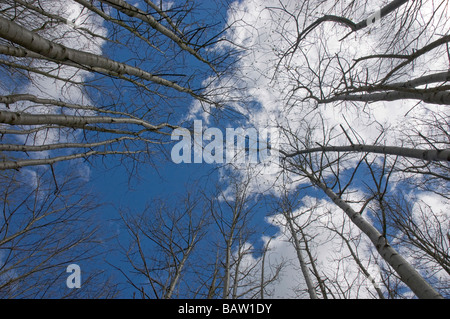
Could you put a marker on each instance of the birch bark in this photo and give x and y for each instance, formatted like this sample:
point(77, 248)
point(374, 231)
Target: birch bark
point(407, 273)
point(29, 40)
point(428, 155)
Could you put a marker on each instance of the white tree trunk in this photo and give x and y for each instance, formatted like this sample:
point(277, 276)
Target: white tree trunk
point(407, 273)
point(226, 279)
point(21, 118)
point(311, 290)
point(11, 31)
point(178, 271)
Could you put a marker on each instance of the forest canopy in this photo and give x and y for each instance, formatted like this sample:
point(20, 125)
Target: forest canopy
point(355, 205)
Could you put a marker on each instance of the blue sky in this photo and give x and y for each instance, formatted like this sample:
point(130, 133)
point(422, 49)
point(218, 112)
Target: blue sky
point(115, 186)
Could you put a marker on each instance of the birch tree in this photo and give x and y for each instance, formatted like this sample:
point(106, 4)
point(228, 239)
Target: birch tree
point(331, 252)
point(287, 205)
point(232, 212)
point(396, 71)
point(95, 78)
point(359, 91)
point(347, 61)
point(379, 239)
point(424, 230)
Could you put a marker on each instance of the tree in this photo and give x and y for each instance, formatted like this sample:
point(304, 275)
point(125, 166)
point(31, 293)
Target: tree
point(82, 84)
point(162, 241)
point(315, 171)
point(424, 230)
point(197, 246)
point(46, 225)
point(287, 205)
point(339, 78)
point(359, 94)
point(235, 274)
point(358, 90)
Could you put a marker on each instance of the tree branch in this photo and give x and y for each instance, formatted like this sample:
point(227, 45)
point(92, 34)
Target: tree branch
point(428, 155)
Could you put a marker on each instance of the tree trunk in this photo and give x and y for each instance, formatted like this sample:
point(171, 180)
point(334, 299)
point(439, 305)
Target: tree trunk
point(407, 273)
point(301, 260)
point(59, 53)
point(439, 97)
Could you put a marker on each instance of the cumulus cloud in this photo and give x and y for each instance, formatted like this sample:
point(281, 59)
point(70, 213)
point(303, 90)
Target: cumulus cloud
point(266, 31)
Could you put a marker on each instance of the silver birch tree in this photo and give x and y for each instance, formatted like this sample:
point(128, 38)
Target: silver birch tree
point(96, 78)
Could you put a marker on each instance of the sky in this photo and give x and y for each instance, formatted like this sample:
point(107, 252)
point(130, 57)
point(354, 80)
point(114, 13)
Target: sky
point(259, 96)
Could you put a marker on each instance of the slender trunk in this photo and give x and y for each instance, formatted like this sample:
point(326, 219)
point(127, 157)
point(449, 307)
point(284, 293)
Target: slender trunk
point(226, 281)
point(17, 34)
point(48, 147)
point(263, 264)
point(212, 287)
point(18, 164)
point(439, 97)
point(314, 269)
point(390, 7)
point(423, 80)
point(21, 118)
point(236, 266)
point(301, 260)
point(178, 271)
point(407, 273)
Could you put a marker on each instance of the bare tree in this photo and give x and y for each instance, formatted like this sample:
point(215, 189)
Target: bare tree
point(47, 224)
point(232, 212)
point(110, 78)
point(82, 83)
point(287, 204)
point(350, 79)
point(237, 274)
point(425, 231)
point(314, 169)
point(162, 243)
point(323, 67)
point(344, 269)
